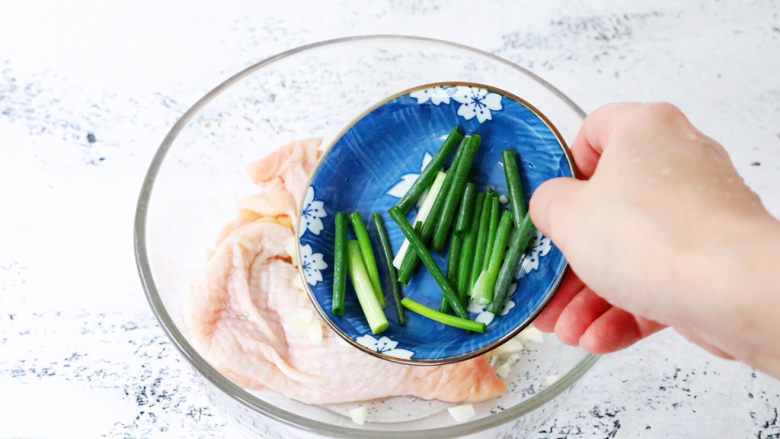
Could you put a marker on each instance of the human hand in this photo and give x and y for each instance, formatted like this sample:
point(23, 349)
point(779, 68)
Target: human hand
point(661, 231)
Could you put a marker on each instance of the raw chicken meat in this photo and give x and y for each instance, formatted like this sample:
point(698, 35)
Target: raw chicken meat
point(249, 316)
point(291, 165)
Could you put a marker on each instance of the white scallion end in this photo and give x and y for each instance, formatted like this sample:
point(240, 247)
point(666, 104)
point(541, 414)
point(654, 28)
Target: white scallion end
point(433, 192)
point(510, 347)
point(359, 415)
point(422, 198)
point(551, 379)
point(503, 199)
point(531, 334)
point(425, 205)
point(503, 370)
point(462, 413)
point(474, 308)
point(315, 332)
point(401, 253)
point(303, 318)
point(289, 248)
point(297, 283)
point(480, 301)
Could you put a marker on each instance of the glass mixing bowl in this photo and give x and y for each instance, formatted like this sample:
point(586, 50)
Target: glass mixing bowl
point(197, 176)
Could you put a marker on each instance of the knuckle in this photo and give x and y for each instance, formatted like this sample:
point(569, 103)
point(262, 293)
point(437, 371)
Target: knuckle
point(665, 112)
point(653, 118)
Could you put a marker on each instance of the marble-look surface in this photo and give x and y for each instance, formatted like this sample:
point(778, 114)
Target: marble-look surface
point(88, 90)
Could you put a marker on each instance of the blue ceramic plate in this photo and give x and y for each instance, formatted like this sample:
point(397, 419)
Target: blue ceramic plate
point(374, 162)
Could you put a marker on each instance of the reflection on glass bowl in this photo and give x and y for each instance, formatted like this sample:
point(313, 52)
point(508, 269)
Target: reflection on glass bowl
point(196, 178)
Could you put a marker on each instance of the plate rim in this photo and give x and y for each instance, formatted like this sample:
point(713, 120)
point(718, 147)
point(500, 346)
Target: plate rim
point(468, 355)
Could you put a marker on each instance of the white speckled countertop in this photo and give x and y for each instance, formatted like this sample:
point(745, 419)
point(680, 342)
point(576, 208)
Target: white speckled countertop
point(88, 90)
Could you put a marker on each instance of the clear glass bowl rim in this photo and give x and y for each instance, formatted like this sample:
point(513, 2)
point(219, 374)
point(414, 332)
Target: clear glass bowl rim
point(247, 399)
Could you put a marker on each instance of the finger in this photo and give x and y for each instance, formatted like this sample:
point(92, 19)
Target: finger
point(594, 135)
point(616, 329)
point(570, 286)
point(553, 209)
point(578, 315)
point(585, 156)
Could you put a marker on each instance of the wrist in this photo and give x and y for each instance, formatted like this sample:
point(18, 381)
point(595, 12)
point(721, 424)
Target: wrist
point(736, 280)
point(760, 298)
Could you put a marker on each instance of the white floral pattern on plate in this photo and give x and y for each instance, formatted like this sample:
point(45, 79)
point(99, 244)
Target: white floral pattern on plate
point(407, 180)
point(311, 214)
point(312, 264)
point(485, 316)
point(541, 245)
point(437, 95)
point(477, 102)
point(384, 346)
point(474, 101)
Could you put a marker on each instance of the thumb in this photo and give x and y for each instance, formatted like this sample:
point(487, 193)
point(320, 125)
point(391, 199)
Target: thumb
point(553, 209)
